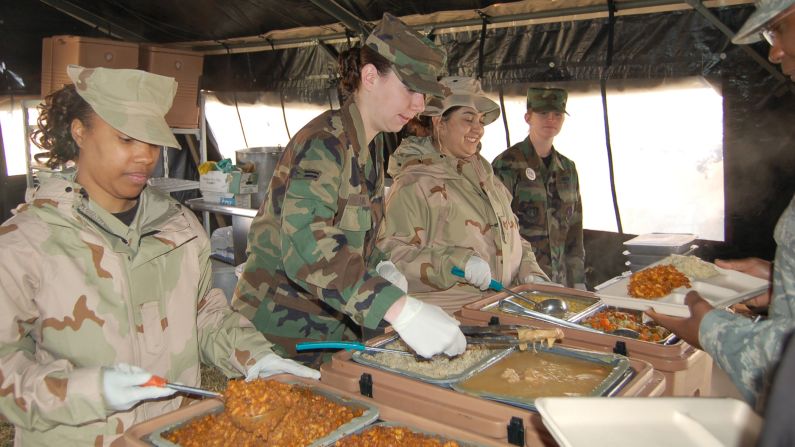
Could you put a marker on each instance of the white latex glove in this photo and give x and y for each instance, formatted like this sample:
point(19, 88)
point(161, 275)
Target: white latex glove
point(535, 279)
point(272, 364)
point(428, 330)
point(581, 286)
point(478, 273)
point(122, 390)
point(389, 272)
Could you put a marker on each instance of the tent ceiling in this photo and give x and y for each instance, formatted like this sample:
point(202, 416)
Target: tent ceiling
point(218, 26)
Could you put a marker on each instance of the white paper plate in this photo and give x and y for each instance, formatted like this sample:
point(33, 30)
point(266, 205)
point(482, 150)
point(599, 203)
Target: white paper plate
point(649, 422)
point(729, 287)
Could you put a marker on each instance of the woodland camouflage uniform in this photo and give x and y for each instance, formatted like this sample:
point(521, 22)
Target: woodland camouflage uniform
point(546, 199)
point(82, 291)
point(442, 210)
point(310, 272)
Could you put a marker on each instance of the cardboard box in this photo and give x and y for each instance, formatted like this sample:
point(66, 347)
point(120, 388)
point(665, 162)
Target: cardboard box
point(60, 51)
point(186, 68)
point(234, 182)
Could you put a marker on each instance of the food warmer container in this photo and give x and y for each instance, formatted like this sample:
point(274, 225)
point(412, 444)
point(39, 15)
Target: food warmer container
point(145, 433)
point(687, 370)
point(499, 422)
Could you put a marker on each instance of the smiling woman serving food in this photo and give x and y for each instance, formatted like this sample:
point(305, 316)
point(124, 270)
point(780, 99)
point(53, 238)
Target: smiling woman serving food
point(448, 209)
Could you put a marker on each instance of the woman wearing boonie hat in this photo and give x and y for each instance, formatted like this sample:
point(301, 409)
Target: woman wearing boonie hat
point(313, 268)
point(105, 281)
point(446, 209)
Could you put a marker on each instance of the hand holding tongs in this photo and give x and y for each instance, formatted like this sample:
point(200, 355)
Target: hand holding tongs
point(162, 383)
point(493, 335)
point(346, 345)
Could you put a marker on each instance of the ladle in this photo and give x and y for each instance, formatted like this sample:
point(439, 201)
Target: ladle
point(553, 306)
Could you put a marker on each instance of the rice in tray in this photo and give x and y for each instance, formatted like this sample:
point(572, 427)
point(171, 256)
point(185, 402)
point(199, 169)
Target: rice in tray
point(692, 266)
point(438, 367)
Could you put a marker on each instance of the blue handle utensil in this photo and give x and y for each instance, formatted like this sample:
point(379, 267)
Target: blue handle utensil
point(493, 284)
point(346, 345)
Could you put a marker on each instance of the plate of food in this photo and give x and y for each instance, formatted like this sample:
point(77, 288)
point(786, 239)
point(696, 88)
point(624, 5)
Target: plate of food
point(663, 286)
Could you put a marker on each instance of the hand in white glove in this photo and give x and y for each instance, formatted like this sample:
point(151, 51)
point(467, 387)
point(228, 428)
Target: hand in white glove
point(536, 279)
point(121, 386)
point(428, 329)
point(272, 364)
point(478, 273)
point(389, 272)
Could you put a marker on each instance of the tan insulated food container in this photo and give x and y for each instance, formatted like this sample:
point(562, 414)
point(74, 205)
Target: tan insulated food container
point(137, 435)
point(186, 68)
point(688, 371)
point(60, 51)
point(493, 420)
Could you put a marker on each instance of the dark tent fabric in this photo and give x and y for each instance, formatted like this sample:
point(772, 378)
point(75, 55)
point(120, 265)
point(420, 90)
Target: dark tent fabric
point(651, 48)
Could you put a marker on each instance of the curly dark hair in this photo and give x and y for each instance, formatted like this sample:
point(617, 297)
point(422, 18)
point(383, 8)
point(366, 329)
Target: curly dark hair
point(54, 133)
point(351, 62)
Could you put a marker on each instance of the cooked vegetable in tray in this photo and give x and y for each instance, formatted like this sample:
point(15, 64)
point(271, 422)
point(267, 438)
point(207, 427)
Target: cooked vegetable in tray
point(610, 320)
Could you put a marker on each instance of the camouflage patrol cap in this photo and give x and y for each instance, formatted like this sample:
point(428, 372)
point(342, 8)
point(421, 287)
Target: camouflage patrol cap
point(133, 102)
point(547, 99)
point(463, 91)
point(766, 12)
point(415, 59)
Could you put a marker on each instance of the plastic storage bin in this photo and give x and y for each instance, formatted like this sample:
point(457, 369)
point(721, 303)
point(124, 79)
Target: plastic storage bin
point(186, 68)
point(60, 51)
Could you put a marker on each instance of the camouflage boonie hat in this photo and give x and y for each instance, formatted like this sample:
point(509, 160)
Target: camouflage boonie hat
point(766, 12)
point(463, 91)
point(415, 59)
point(547, 99)
point(133, 102)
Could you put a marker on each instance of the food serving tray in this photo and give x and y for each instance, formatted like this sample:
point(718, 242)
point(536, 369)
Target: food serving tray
point(369, 415)
point(669, 340)
point(625, 422)
point(439, 437)
point(578, 305)
point(727, 288)
point(370, 360)
point(620, 373)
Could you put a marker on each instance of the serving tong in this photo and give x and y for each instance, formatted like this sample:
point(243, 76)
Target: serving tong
point(161, 382)
point(499, 335)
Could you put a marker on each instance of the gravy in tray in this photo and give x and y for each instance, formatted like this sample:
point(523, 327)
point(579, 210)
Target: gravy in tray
point(528, 375)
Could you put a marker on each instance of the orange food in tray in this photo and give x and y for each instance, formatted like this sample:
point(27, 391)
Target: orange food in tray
point(392, 436)
point(656, 282)
point(294, 416)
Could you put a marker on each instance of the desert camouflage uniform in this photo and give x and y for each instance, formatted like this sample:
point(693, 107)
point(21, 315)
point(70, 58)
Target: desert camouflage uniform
point(81, 290)
point(749, 351)
point(442, 210)
point(310, 273)
point(549, 209)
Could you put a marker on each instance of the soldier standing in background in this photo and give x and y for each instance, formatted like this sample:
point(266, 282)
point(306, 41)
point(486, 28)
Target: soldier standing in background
point(313, 268)
point(106, 281)
point(546, 190)
point(447, 209)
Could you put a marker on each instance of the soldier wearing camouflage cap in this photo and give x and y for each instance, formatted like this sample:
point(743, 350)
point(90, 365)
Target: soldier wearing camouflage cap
point(313, 267)
point(105, 281)
point(447, 209)
point(750, 351)
point(546, 190)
